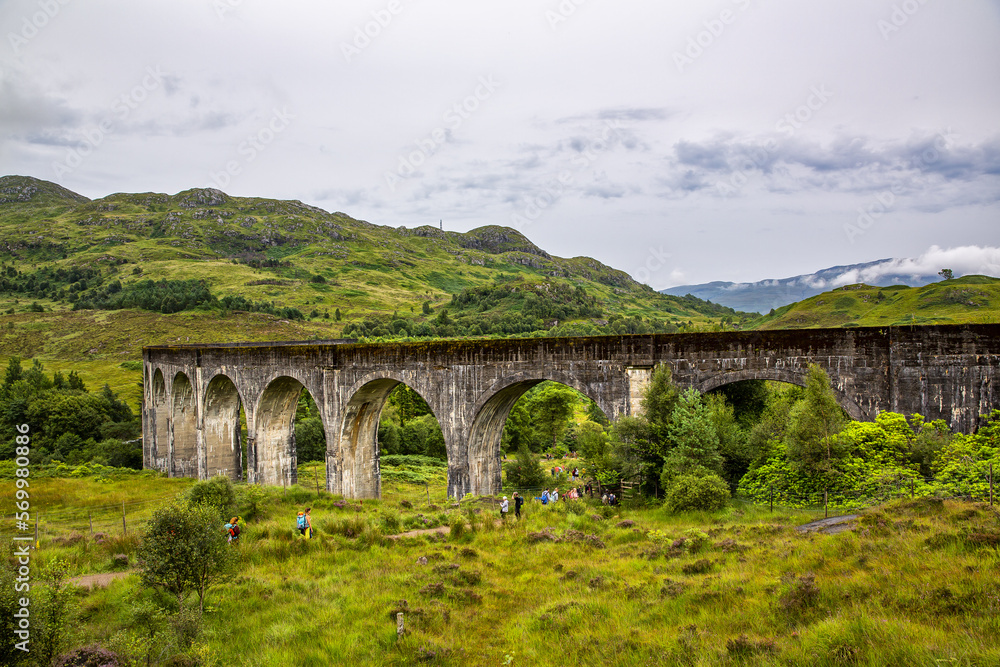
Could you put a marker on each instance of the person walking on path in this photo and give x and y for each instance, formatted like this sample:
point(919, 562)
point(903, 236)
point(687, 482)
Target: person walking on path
point(518, 501)
point(504, 508)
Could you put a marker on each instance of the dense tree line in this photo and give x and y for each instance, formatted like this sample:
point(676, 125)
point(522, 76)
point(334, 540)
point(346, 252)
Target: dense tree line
point(509, 308)
point(48, 282)
point(67, 422)
point(161, 296)
point(754, 438)
point(88, 289)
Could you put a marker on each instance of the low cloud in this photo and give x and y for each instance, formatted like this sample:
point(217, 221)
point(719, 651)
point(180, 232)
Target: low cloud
point(963, 260)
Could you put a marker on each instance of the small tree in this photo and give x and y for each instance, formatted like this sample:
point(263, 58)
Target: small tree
point(55, 611)
point(813, 425)
point(524, 472)
point(693, 439)
point(947, 274)
point(552, 408)
point(659, 399)
point(183, 549)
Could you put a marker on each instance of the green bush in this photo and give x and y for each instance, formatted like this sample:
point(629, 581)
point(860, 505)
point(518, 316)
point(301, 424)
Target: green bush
point(217, 492)
point(694, 492)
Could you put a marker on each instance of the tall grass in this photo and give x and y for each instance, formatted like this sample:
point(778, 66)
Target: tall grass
point(912, 584)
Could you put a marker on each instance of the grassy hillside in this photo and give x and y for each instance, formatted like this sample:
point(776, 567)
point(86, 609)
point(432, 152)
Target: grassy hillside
point(914, 584)
point(970, 299)
point(289, 252)
point(81, 281)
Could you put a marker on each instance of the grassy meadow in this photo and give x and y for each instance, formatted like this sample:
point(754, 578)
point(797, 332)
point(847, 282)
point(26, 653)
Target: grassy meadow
point(575, 582)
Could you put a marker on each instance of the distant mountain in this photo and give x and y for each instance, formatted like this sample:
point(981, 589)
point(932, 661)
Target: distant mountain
point(762, 296)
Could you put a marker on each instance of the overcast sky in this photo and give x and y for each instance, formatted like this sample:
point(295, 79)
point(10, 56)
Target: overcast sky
point(681, 141)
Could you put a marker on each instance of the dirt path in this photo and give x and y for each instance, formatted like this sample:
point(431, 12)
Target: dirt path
point(831, 526)
point(101, 580)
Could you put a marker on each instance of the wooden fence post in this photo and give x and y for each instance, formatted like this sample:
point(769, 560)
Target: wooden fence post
point(771, 494)
point(912, 486)
point(826, 504)
point(90, 520)
point(991, 483)
point(124, 527)
point(317, 482)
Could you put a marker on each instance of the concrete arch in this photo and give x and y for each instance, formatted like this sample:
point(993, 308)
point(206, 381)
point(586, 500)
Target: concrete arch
point(359, 452)
point(161, 417)
point(849, 405)
point(486, 432)
point(551, 375)
point(221, 428)
point(184, 419)
point(274, 430)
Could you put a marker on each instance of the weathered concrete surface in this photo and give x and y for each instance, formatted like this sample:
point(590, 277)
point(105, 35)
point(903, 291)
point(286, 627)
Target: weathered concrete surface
point(194, 392)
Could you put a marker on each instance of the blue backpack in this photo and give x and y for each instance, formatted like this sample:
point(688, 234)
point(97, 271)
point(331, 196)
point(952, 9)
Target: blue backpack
point(301, 521)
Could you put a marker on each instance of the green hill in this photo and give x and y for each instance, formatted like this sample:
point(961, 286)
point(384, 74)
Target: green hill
point(969, 299)
point(86, 281)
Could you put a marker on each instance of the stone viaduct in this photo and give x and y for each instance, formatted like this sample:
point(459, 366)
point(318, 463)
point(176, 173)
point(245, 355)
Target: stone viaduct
point(193, 393)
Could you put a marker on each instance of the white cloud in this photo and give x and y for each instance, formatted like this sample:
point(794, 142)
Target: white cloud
point(963, 260)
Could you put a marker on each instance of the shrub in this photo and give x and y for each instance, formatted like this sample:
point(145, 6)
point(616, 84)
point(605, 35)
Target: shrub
point(217, 492)
point(743, 647)
point(700, 566)
point(800, 596)
point(693, 492)
point(390, 522)
point(251, 500)
point(695, 540)
point(348, 526)
point(457, 526)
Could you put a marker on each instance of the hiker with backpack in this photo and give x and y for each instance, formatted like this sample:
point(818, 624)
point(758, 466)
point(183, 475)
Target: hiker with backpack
point(518, 501)
point(303, 521)
point(233, 530)
point(504, 508)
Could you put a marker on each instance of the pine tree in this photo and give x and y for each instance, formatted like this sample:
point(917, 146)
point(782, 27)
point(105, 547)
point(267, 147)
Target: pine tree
point(814, 423)
point(694, 442)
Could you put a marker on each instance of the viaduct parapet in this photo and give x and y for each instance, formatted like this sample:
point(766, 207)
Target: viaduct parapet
point(193, 393)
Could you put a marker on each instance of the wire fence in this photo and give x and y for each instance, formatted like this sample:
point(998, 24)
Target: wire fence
point(95, 521)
